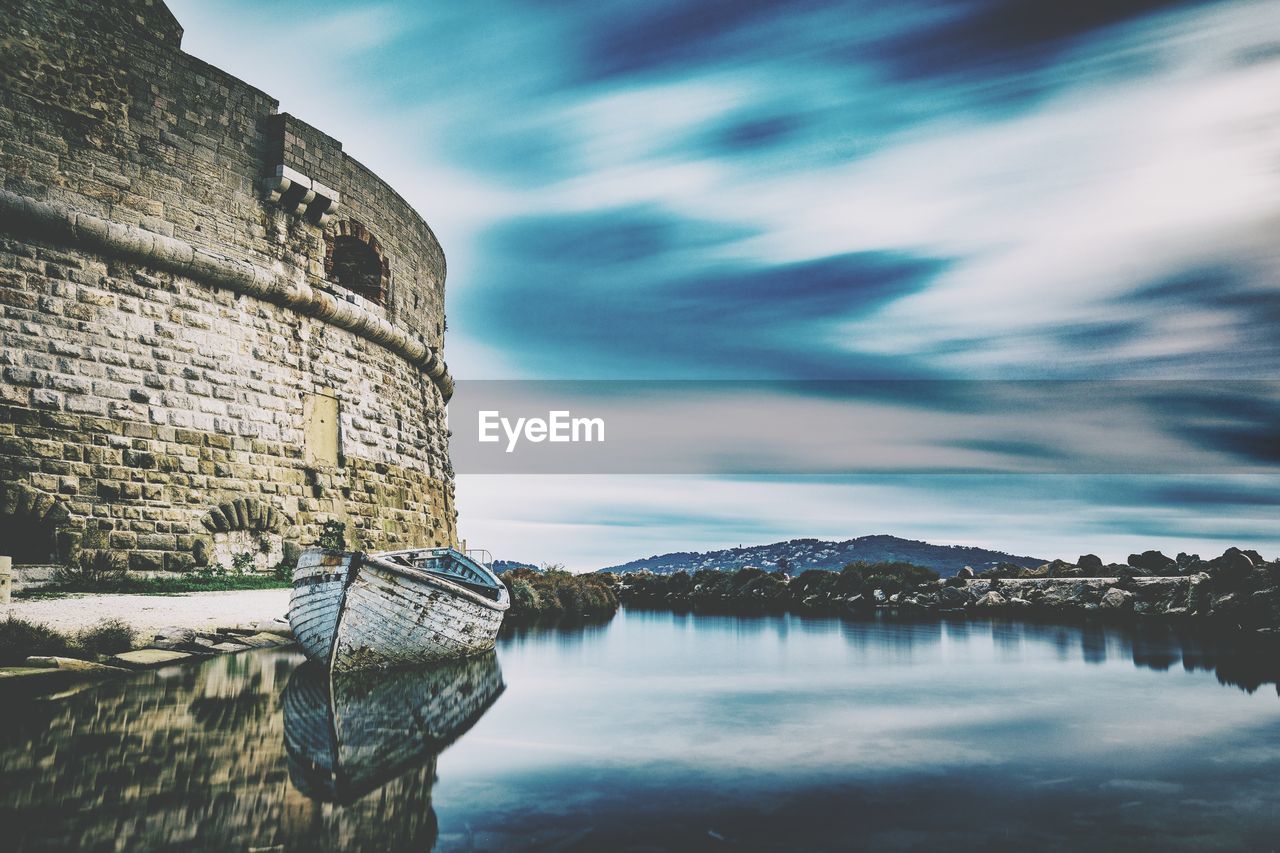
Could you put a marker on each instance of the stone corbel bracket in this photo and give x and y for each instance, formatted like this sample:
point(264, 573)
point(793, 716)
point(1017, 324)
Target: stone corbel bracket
point(300, 195)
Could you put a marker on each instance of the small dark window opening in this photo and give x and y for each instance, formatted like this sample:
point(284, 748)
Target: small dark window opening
point(357, 267)
point(354, 260)
point(27, 541)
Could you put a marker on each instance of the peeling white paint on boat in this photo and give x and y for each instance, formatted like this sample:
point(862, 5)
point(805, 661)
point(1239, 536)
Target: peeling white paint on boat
point(363, 611)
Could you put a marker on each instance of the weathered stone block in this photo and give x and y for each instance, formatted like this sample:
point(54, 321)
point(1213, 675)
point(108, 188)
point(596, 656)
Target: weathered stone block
point(146, 561)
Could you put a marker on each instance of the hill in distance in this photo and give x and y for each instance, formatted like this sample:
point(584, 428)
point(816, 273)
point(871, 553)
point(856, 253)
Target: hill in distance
point(500, 566)
point(797, 555)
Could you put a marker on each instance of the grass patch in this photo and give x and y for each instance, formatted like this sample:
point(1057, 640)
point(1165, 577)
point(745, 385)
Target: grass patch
point(20, 639)
point(173, 585)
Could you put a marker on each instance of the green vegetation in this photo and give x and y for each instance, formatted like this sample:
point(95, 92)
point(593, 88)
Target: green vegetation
point(753, 590)
point(104, 571)
point(93, 567)
point(108, 637)
point(554, 593)
point(20, 639)
point(333, 536)
point(198, 581)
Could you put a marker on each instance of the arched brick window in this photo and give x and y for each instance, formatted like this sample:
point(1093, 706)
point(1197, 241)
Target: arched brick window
point(354, 260)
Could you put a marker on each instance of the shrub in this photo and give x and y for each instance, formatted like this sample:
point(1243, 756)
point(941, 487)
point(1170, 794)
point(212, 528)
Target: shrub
point(553, 593)
point(20, 638)
point(571, 598)
point(524, 599)
point(333, 536)
point(94, 568)
point(814, 582)
point(243, 563)
point(890, 577)
point(679, 583)
point(108, 637)
point(283, 571)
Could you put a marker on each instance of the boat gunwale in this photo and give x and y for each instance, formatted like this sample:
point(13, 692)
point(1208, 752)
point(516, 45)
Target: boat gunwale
point(502, 604)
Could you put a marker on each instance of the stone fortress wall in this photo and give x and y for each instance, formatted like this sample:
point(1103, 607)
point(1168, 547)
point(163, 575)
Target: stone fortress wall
point(217, 330)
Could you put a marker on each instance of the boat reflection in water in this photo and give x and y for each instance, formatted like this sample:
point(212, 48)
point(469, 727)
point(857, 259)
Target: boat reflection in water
point(363, 746)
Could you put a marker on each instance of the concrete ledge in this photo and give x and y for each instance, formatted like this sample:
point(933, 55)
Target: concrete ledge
point(72, 664)
point(148, 658)
point(60, 222)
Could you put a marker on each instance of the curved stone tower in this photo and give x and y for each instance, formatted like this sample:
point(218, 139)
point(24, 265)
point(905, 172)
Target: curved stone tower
point(217, 330)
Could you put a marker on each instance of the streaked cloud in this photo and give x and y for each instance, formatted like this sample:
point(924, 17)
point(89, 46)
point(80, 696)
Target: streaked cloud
point(692, 189)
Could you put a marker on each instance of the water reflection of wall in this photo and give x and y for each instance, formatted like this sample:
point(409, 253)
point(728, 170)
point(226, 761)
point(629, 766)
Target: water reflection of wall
point(188, 757)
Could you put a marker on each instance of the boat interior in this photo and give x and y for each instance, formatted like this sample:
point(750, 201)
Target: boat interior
point(448, 563)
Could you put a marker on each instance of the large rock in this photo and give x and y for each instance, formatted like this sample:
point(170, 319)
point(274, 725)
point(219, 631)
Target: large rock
point(1067, 595)
point(1154, 563)
point(173, 636)
point(926, 599)
point(273, 626)
point(990, 601)
point(1187, 563)
point(1160, 595)
point(264, 640)
point(965, 573)
point(1063, 569)
point(951, 596)
point(1116, 599)
point(1090, 563)
point(1232, 566)
point(1041, 571)
point(180, 639)
point(1130, 572)
point(1199, 592)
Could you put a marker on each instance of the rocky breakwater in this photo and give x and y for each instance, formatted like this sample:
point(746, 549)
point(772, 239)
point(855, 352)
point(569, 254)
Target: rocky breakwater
point(1239, 589)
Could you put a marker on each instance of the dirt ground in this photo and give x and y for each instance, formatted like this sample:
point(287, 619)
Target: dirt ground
point(149, 613)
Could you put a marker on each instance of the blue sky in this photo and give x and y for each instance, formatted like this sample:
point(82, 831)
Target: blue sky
point(814, 190)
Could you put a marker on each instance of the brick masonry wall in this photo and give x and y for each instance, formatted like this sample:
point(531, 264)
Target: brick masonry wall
point(134, 400)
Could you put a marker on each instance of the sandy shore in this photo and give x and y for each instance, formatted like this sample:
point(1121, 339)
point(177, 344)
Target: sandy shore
point(148, 613)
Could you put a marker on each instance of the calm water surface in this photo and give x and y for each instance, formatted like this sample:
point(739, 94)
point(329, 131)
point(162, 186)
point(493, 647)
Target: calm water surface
point(660, 731)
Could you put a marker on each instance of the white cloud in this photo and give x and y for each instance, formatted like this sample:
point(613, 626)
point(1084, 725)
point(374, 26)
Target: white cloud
point(588, 522)
point(1048, 216)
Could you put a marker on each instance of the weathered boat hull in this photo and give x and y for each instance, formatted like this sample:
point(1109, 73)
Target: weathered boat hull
point(351, 612)
point(348, 735)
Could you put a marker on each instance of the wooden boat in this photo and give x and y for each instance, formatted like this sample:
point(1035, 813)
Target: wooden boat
point(350, 734)
point(350, 610)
